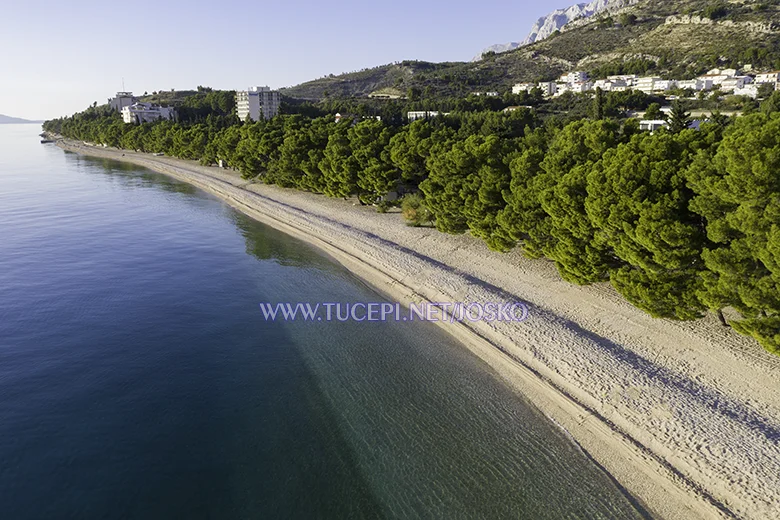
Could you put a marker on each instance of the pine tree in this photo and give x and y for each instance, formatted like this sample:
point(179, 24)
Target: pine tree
point(597, 110)
point(338, 167)
point(638, 202)
point(565, 167)
point(409, 150)
point(522, 219)
point(679, 119)
point(369, 141)
point(465, 186)
point(738, 193)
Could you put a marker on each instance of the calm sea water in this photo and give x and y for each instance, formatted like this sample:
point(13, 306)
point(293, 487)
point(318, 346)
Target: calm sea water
point(138, 378)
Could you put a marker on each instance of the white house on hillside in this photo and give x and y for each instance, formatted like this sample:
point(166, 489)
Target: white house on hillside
point(146, 113)
point(768, 77)
point(646, 84)
point(747, 90)
point(610, 85)
point(630, 79)
point(711, 80)
point(522, 87)
point(694, 84)
point(548, 88)
point(423, 114)
point(735, 82)
point(723, 72)
point(652, 125)
point(574, 77)
point(580, 87)
point(122, 100)
point(662, 85)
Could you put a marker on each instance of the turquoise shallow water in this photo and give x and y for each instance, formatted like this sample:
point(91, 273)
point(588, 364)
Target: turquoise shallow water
point(138, 378)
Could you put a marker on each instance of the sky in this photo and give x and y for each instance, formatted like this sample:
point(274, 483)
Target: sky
point(56, 57)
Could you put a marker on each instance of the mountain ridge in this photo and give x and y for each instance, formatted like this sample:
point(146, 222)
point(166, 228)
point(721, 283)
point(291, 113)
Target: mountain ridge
point(557, 20)
point(8, 120)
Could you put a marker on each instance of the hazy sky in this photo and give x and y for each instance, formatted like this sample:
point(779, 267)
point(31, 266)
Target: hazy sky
point(57, 57)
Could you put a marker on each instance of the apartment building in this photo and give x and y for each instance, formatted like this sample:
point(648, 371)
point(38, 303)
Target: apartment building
point(257, 103)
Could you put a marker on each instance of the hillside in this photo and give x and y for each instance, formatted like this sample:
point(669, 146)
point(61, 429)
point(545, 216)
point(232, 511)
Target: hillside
point(679, 38)
point(8, 120)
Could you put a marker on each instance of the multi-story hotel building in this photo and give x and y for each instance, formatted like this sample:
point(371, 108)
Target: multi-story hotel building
point(257, 102)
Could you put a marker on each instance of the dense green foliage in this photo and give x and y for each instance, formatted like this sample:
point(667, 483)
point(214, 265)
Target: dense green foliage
point(678, 221)
point(207, 102)
point(638, 66)
point(737, 191)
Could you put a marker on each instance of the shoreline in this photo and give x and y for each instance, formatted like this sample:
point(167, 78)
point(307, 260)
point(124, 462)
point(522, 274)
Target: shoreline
point(662, 407)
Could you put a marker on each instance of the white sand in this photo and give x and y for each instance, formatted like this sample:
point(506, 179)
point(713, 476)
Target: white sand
point(686, 416)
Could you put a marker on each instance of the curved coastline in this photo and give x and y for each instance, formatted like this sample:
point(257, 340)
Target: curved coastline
point(684, 416)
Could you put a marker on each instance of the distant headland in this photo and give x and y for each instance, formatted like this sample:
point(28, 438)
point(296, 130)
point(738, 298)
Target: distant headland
point(8, 120)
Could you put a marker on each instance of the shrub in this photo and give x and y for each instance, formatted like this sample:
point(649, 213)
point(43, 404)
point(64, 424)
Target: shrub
point(606, 23)
point(414, 210)
point(715, 11)
point(627, 19)
point(383, 206)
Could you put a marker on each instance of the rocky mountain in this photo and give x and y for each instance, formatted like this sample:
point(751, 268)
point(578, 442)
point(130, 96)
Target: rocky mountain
point(557, 20)
point(8, 120)
point(678, 39)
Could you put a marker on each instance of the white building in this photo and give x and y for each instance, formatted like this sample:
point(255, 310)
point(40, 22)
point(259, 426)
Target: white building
point(747, 90)
point(768, 77)
point(522, 87)
point(122, 100)
point(722, 72)
point(146, 113)
point(257, 103)
point(548, 88)
point(610, 85)
point(487, 94)
point(423, 114)
point(652, 125)
point(574, 77)
point(711, 80)
point(694, 84)
point(735, 82)
point(580, 87)
point(630, 79)
point(707, 82)
point(338, 118)
point(646, 84)
point(507, 110)
point(663, 85)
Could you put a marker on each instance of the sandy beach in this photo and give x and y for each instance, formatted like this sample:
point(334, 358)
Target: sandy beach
point(684, 416)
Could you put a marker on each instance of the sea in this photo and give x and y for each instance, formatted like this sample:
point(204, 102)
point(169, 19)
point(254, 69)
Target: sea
point(139, 378)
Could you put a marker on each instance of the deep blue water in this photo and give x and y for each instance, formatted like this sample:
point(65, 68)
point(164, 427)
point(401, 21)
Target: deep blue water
point(138, 378)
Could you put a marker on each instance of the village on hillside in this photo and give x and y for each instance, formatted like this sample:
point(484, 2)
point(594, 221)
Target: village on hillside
point(725, 80)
